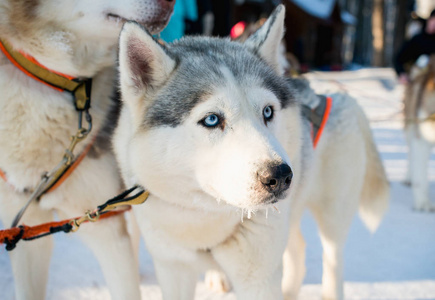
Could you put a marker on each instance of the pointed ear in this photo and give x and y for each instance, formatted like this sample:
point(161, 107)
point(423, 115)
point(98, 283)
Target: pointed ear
point(143, 64)
point(266, 40)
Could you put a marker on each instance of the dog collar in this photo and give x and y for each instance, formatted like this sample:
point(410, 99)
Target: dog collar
point(79, 88)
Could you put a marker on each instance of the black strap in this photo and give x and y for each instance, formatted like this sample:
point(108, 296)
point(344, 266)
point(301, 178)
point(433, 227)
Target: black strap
point(121, 197)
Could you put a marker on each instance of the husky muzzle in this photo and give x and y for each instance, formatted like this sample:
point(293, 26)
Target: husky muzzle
point(275, 178)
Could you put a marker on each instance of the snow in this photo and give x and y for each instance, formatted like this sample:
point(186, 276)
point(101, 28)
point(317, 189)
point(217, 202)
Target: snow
point(397, 262)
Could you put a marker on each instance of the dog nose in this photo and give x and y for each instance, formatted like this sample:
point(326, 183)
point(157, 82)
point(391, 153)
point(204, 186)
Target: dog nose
point(276, 179)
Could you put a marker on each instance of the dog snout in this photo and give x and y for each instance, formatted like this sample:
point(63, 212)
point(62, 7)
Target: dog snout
point(276, 179)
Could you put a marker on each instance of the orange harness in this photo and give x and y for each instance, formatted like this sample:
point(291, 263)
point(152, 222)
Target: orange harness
point(65, 174)
point(318, 117)
point(13, 235)
point(133, 196)
point(80, 90)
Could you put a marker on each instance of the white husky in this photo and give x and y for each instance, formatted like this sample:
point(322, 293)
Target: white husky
point(216, 135)
point(78, 38)
point(420, 128)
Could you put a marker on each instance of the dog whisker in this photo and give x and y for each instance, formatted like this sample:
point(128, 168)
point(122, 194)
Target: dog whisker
point(276, 208)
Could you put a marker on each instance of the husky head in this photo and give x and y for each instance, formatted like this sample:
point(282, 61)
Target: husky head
point(203, 117)
point(76, 37)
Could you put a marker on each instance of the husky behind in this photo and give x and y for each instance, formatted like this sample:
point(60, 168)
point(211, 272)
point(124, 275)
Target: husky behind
point(216, 135)
point(420, 128)
point(77, 38)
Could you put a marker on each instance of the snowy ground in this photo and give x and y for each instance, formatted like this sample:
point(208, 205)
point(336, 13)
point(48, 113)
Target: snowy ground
point(397, 262)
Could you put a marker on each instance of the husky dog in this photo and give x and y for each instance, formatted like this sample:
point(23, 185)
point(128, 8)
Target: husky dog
point(216, 135)
point(420, 128)
point(78, 38)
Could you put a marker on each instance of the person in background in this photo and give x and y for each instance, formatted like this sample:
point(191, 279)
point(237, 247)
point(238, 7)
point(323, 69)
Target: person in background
point(183, 10)
point(422, 43)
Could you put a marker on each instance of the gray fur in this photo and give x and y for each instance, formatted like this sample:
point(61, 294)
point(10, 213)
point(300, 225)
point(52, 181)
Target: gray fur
point(258, 38)
point(197, 73)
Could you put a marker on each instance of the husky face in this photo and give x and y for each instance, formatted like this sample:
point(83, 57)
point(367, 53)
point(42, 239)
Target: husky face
point(105, 18)
point(98, 18)
point(202, 117)
point(67, 36)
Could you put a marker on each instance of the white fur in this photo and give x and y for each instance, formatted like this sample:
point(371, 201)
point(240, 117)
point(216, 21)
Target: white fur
point(205, 210)
point(76, 38)
point(420, 149)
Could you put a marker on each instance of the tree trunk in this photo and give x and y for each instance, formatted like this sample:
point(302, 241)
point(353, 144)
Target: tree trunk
point(363, 42)
point(378, 33)
point(390, 12)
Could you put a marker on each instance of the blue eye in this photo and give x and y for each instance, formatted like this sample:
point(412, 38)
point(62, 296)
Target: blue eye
point(268, 113)
point(211, 121)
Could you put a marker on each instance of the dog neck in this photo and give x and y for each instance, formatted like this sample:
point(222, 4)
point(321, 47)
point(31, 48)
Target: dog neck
point(65, 54)
point(79, 88)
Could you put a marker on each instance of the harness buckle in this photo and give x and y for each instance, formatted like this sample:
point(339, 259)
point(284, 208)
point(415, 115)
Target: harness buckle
point(88, 217)
point(82, 94)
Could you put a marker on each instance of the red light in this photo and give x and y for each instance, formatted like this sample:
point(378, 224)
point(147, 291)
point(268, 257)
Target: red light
point(237, 30)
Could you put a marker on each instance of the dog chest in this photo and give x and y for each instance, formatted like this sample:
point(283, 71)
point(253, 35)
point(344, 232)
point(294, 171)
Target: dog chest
point(191, 228)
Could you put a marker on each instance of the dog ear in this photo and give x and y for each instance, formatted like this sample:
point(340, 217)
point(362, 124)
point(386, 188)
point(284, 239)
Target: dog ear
point(266, 40)
point(143, 64)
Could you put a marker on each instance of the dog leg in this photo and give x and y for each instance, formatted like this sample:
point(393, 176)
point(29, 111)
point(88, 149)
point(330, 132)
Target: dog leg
point(177, 267)
point(217, 281)
point(176, 279)
point(254, 264)
point(408, 137)
point(294, 263)
point(31, 259)
point(420, 155)
point(334, 222)
point(111, 244)
point(134, 232)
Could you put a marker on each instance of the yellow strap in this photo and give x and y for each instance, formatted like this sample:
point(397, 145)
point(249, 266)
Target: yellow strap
point(141, 198)
point(38, 71)
point(81, 89)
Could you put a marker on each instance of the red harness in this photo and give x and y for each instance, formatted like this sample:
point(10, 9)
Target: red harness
point(318, 117)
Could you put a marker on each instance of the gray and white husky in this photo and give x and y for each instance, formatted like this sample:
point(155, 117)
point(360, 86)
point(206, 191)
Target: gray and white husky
point(215, 134)
point(78, 38)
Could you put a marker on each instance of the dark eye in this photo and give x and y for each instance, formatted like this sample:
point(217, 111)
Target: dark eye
point(211, 121)
point(268, 113)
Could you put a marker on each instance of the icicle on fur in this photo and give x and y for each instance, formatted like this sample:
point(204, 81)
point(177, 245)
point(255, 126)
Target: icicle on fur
point(276, 208)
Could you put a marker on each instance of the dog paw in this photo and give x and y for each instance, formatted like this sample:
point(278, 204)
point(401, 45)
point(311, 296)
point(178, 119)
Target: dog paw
point(217, 281)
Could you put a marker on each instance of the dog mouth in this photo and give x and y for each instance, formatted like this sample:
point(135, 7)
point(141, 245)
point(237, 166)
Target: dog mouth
point(154, 26)
point(273, 198)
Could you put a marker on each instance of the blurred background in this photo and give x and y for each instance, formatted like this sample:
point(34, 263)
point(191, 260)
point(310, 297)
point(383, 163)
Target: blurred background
point(321, 34)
